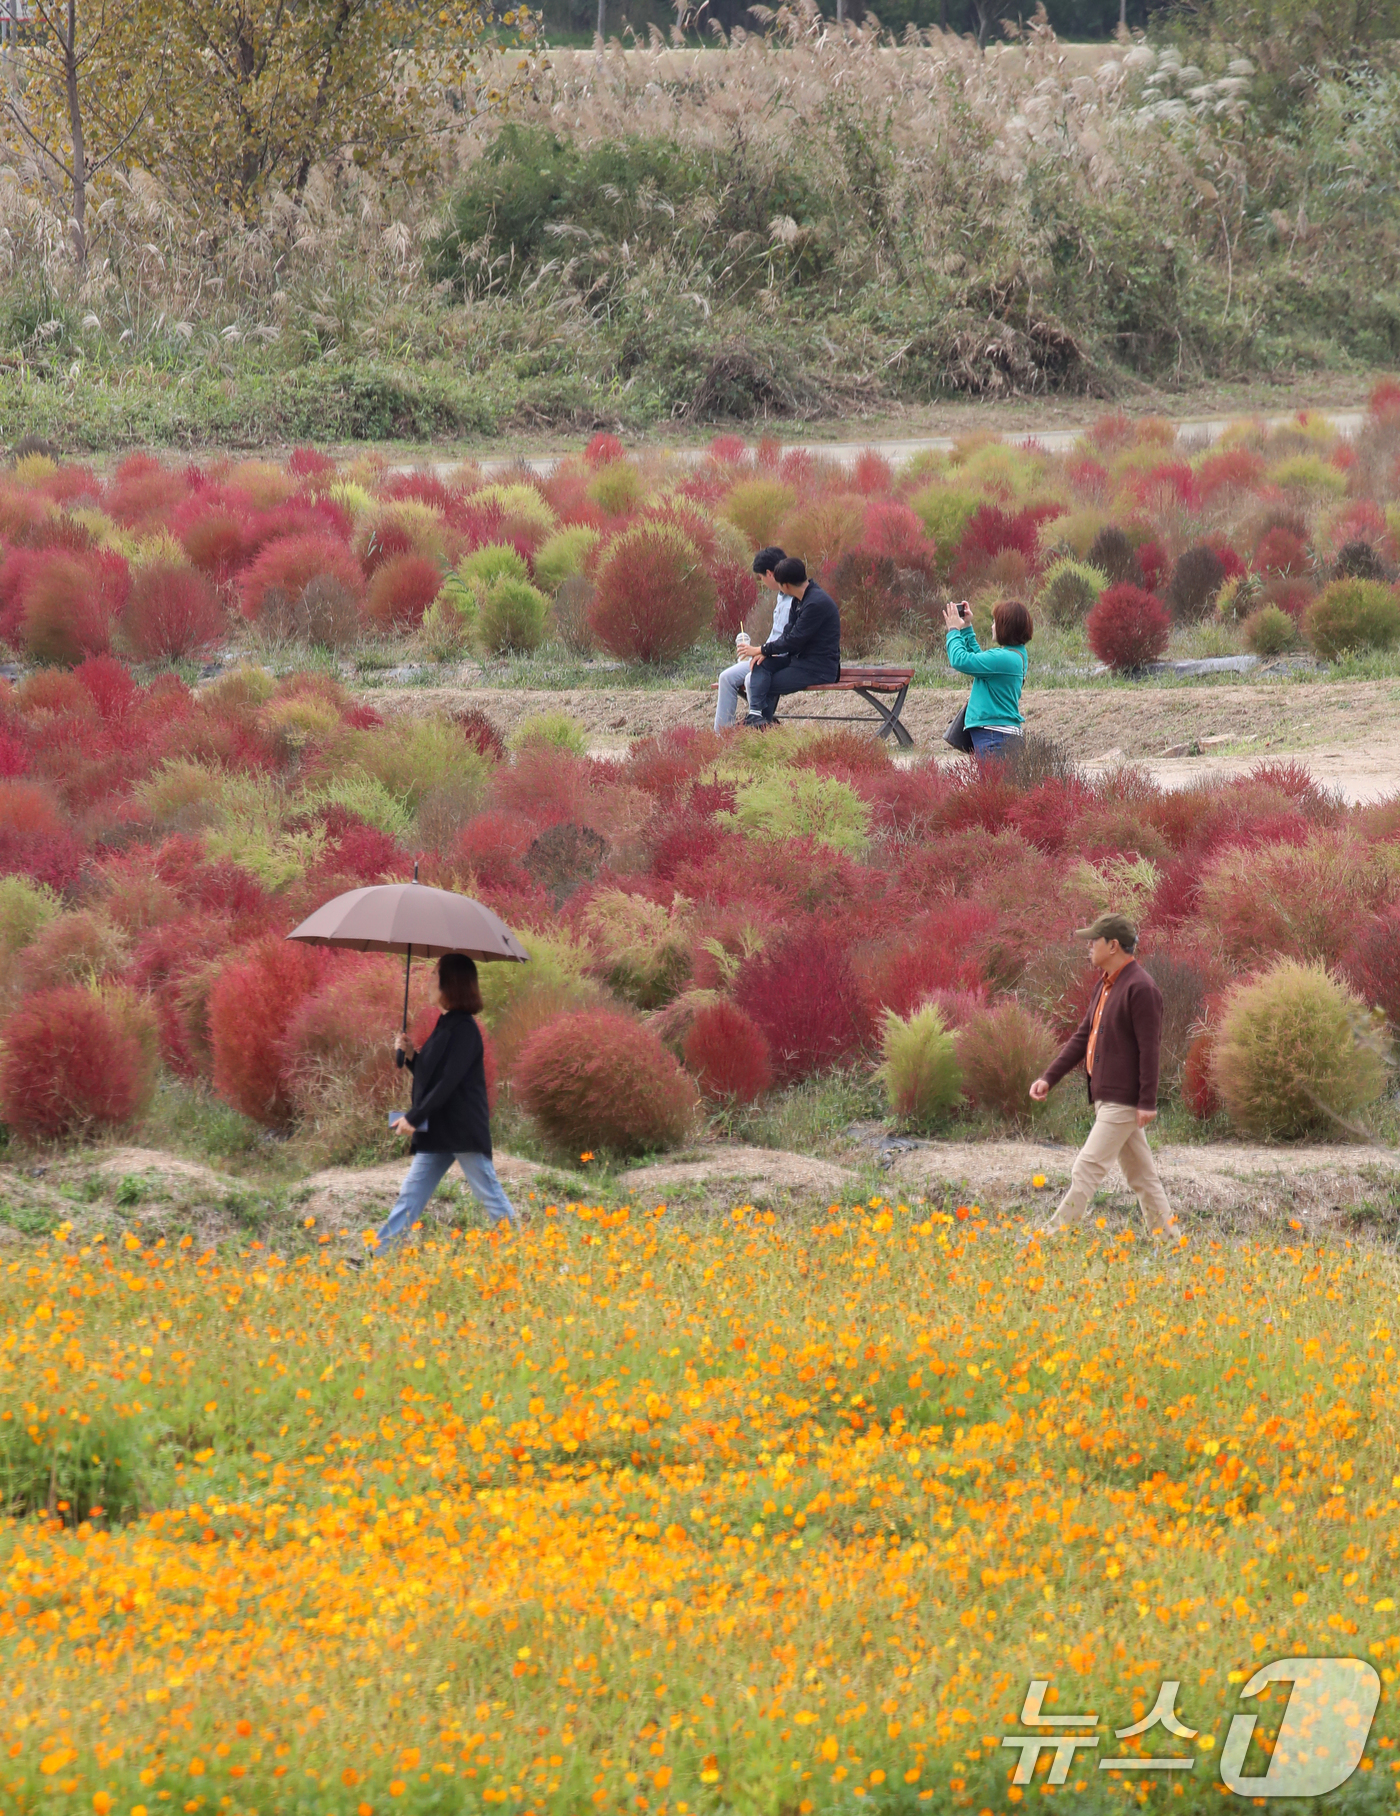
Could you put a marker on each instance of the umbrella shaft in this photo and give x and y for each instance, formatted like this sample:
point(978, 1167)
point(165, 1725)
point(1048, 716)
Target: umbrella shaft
point(407, 966)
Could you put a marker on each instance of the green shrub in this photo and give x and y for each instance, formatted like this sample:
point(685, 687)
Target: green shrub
point(1353, 615)
point(450, 621)
point(367, 797)
point(757, 506)
point(1308, 473)
point(616, 488)
point(944, 512)
point(555, 729)
point(799, 804)
point(566, 552)
point(409, 757)
point(1070, 591)
point(25, 909)
point(513, 617)
point(921, 1073)
point(1269, 631)
point(1297, 1054)
point(496, 561)
point(643, 951)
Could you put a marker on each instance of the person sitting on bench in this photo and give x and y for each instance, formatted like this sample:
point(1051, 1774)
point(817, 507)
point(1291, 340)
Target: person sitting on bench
point(733, 679)
point(807, 654)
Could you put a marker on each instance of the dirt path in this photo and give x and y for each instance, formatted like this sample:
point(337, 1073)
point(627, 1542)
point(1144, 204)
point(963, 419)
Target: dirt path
point(1348, 733)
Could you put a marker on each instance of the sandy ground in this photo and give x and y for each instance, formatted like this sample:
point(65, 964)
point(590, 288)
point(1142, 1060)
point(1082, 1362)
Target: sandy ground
point(1347, 733)
point(1233, 1185)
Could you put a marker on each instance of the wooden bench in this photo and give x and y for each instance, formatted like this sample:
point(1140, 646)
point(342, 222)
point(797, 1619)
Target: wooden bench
point(869, 680)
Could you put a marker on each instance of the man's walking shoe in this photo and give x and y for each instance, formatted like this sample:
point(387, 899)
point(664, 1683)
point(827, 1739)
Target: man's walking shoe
point(755, 722)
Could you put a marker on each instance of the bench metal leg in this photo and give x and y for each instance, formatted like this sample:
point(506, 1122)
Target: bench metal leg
point(890, 715)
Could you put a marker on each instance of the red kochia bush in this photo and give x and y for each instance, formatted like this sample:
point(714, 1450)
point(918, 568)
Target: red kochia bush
point(70, 1062)
point(727, 1055)
point(70, 603)
point(653, 595)
point(989, 531)
point(288, 567)
point(805, 996)
point(1373, 965)
point(1197, 1088)
point(170, 611)
point(403, 588)
point(1128, 628)
point(250, 1010)
point(599, 1079)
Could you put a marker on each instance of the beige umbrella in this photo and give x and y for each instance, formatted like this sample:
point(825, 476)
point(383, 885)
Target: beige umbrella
point(409, 918)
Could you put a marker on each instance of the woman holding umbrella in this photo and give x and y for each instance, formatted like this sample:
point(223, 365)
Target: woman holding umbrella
point(448, 1118)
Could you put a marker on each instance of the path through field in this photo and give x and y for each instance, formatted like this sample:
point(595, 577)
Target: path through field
point(1347, 733)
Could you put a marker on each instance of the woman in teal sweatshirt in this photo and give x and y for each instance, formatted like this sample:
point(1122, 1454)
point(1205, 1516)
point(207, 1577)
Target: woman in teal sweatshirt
point(998, 675)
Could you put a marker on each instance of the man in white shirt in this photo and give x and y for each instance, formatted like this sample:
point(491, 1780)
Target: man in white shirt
point(733, 678)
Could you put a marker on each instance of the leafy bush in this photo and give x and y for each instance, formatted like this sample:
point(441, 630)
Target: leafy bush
point(727, 1054)
point(1128, 628)
point(495, 561)
point(616, 488)
point(801, 804)
point(1373, 964)
point(921, 1072)
point(512, 617)
point(276, 583)
point(1360, 560)
point(71, 603)
point(1295, 1054)
point(1269, 631)
point(599, 1079)
point(863, 581)
point(568, 551)
point(1002, 1051)
point(171, 611)
point(402, 590)
point(1282, 549)
point(820, 530)
point(654, 598)
point(557, 729)
point(643, 951)
point(944, 512)
point(805, 996)
point(251, 1008)
point(757, 506)
point(1292, 900)
point(1351, 616)
point(412, 756)
point(74, 1061)
point(1113, 553)
point(1070, 591)
point(1196, 579)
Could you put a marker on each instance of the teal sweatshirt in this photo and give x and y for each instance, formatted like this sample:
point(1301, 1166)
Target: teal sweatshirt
point(997, 678)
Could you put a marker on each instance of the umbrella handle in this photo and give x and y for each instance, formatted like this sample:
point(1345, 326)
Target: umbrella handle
point(407, 964)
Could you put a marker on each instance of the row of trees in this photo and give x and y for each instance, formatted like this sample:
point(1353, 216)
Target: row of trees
point(234, 97)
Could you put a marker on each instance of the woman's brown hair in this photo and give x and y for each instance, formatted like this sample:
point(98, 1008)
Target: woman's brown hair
point(1013, 623)
point(458, 981)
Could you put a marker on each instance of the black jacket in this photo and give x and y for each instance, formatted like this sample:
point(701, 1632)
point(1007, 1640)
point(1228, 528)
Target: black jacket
point(813, 635)
point(449, 1089)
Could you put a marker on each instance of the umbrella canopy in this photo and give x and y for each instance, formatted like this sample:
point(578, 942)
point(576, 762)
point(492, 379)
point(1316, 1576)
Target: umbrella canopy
point(411, 918)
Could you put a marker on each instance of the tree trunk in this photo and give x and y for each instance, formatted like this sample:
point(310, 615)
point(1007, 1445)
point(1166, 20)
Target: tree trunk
point(602, 20)
point(75, 130)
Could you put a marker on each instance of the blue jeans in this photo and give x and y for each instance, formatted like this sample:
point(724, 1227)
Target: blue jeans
point(426, 1172)
point(730, 682)
point(989, 743)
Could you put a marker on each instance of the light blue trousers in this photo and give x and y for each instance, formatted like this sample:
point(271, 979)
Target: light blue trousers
point(425, 1174)
point(730, 682)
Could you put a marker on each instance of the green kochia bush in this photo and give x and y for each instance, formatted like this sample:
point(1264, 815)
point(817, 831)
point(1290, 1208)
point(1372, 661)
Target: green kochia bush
point(1070, 591)
point(513, 617)
point(921, 1073)
point(1297, 1054)
point(1354, 615)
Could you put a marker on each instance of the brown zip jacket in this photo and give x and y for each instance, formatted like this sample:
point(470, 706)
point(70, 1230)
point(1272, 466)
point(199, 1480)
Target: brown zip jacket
point(1128, 1051)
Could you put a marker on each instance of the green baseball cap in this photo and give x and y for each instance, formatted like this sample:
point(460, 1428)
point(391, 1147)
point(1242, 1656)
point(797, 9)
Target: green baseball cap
point(1110, 927)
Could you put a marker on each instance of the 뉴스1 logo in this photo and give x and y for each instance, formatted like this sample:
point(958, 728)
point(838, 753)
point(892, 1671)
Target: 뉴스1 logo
point(1321, 1737)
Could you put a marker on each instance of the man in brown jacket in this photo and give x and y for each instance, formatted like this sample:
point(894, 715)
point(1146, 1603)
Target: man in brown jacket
point(1120, 1042)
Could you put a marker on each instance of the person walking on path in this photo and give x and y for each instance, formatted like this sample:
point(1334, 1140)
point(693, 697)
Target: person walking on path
point(1120, 1043)
point(448, 1118)
point(993, 713)
point(733, 679)
point(807, 654)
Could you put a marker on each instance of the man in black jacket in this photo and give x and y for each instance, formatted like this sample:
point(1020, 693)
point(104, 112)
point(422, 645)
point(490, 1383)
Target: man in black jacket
point(808, 654)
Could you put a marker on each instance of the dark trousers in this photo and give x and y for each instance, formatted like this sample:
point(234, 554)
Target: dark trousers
point(767, 684)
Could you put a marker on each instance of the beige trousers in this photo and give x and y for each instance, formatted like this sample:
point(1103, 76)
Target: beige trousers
point(1114, 1136)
